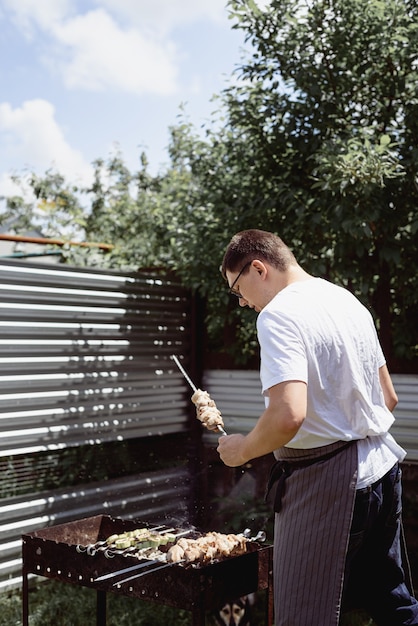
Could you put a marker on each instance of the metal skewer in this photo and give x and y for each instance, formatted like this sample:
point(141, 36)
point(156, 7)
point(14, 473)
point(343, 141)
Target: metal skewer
point(191, 383)
point(126, 570)
point(183, 371)
point(151, 570)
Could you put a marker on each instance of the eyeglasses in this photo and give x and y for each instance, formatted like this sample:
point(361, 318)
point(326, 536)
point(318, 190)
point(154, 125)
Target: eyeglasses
point(233, 291)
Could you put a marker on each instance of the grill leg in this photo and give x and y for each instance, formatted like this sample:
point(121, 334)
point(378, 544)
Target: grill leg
point(198, 614)
point(25, 599)
point(270, 593)
point(101, 608)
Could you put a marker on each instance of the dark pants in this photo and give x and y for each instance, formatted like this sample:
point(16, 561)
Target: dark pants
point(377, 572)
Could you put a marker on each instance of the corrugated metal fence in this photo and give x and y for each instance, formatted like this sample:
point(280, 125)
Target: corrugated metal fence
point(85, 359)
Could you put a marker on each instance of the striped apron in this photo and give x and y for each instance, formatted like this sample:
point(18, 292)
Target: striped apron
point(314, 494)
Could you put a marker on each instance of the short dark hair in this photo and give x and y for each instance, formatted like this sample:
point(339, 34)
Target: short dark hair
point(248, 245)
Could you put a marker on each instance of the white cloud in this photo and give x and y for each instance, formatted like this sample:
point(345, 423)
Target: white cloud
point(92, 51)
point(8, 187)
point(28, 14)
point(164, 15)
point(102, 55)
point(31, 135)
point(164, 50)
point(263, 4)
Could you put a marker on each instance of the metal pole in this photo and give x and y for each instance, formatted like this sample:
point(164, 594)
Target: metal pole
point(25, 598)
point(101, 608)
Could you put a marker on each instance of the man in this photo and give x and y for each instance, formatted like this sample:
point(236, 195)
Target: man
point(329, 397)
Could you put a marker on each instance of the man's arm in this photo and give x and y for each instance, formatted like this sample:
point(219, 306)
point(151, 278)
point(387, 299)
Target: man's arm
point(276, 426)
point(389, 393)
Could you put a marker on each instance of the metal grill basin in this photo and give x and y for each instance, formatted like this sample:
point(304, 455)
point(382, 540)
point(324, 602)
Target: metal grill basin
point(52, 552)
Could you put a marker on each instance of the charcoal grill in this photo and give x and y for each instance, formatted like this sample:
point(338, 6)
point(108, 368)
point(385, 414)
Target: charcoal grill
point(54, 553)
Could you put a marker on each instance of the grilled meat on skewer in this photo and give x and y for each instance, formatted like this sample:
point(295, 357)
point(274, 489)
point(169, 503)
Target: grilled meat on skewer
point(207, 411)
point(208, 548)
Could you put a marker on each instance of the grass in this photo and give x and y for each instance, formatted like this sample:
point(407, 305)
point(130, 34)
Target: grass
point(356, 619)
point(59, 604)
point(53, 603)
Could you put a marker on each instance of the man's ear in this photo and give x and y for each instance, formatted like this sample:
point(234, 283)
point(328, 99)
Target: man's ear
point(260, 267)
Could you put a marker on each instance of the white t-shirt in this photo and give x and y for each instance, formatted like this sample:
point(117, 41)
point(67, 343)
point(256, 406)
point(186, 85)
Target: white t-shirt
point(319, 333)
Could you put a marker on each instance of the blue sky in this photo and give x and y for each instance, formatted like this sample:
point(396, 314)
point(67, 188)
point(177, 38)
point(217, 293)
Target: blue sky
point(82, 78)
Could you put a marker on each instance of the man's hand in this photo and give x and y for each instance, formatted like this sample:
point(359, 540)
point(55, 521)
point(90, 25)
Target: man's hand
point(230, 448)
point(276, 426)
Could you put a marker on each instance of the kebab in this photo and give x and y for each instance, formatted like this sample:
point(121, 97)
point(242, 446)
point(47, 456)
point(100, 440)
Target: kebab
point(206, 409)
point(203, 550)
point(206, 549)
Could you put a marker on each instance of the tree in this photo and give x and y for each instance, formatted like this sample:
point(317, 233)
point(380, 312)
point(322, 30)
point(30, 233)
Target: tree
point(120, 208)
point(319, 143)
point(316, 138)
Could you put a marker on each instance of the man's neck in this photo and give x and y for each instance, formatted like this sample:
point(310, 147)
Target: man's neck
point(294, 274)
